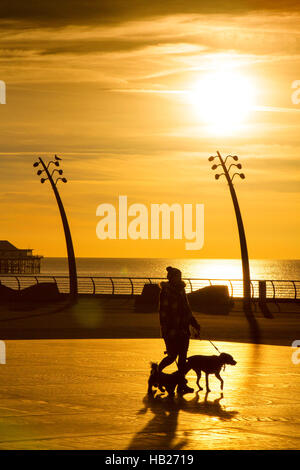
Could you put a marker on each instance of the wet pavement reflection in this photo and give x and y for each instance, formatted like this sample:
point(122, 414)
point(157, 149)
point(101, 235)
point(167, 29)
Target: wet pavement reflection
point(91, 394)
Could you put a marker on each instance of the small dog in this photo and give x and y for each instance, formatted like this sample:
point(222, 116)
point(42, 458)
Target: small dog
point(209, 365)
point(165, 382)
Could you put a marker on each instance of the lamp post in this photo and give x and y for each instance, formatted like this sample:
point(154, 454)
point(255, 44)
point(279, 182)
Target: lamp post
point(242, 236)
point(69, 243)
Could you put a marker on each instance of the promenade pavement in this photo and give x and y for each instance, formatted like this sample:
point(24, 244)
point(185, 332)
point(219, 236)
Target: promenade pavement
point(91, 394)
point(115, 317)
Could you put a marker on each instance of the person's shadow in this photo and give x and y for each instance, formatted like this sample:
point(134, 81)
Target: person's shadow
point(160, 432)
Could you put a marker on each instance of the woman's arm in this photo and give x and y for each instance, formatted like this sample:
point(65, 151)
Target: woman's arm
point(192, 320)
point(163, 312)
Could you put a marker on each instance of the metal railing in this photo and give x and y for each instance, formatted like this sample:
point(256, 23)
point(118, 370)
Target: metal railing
point(115, 285)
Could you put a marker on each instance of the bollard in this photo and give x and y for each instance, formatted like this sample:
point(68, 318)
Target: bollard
point(262, 290)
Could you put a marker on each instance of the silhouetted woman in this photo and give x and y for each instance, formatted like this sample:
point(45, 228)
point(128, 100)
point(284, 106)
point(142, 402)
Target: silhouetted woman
point(175, 319)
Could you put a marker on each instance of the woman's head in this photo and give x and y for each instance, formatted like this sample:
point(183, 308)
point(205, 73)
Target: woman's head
point(174, 274)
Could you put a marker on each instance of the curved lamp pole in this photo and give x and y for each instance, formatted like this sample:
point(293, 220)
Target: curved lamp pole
point(69, 243)
point(242, 236)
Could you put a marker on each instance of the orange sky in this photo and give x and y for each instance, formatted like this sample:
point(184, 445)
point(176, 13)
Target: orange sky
point(113, 93)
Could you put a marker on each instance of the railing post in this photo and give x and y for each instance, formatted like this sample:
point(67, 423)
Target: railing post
point(94, 286)
point(295, 289)
point(231, 286)
point(274, 292)
point(251, 290)
point(18, 281)
point(113, 286)
point(132, 287)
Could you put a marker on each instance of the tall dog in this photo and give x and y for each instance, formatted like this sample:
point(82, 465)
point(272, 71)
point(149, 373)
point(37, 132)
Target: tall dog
point(165, 382)
point(209, 365)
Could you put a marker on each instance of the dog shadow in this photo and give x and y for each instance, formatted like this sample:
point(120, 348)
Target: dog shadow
point(160, 432)
point(206, 407)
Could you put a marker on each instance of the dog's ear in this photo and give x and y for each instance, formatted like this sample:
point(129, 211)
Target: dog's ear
point(153, 365)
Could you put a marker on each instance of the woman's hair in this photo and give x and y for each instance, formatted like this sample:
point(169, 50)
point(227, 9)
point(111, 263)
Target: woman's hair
point(173, 272)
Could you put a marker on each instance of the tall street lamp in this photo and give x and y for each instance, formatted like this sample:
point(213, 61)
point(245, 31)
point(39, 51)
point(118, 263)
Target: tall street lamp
point(70, 250)
point(243, 244)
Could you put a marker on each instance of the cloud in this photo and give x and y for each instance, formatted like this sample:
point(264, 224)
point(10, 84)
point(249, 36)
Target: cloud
point(184, 35)
point(117, 11)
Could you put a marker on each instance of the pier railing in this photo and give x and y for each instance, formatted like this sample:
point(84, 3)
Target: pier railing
point(115, 285)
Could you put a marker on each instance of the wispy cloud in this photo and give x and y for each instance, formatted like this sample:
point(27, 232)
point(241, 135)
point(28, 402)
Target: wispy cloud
point(115, 11)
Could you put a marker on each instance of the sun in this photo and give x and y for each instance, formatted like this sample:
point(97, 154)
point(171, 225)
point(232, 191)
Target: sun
point(223, 100)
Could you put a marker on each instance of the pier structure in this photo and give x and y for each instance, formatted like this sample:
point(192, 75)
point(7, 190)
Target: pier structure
point(18, 261)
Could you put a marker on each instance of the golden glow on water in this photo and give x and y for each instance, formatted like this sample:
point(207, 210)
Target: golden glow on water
point(194, 268)
point(220, 269)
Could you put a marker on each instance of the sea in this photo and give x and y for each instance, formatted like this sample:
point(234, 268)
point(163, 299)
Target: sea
point(260, 269)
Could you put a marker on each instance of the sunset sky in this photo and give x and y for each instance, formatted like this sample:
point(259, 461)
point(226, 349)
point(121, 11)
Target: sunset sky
point(134, 97)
